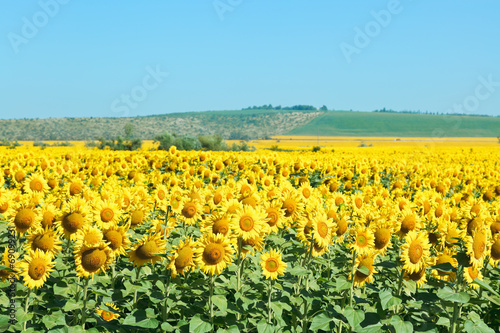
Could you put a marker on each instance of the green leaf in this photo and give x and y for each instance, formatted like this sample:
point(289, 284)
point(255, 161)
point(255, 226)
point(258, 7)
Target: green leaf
point(354, 317)
point(6, 268)
point(445, 267)
point(54, 319)
point(220, 301)
point(198, 325)
point(364, 270)
point(131, 320)
point(401, 326)
point(264, 327)
point(298, 271)
point(167, 327)
point(387, 300)
point(447, 294)
point(71, 305)
point(443, 321)
point(486, 286)
point(342, 284)
point(477, 327)
point(231, 329)
point(321, 322)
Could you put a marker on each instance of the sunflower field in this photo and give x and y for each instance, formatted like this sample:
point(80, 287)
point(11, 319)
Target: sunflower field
point(379, 240)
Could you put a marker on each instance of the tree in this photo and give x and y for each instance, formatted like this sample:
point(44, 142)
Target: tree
point(324, 108)
point(129, 131)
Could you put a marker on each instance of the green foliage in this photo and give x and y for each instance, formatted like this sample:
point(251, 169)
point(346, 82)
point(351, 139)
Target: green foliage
point(316, 149)
point(120, 144)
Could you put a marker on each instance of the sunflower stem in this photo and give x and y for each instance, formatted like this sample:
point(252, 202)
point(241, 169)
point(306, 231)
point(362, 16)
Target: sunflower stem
point(400, 288)
point(137, 273)
point(210, 301)
point(167, 291)
point(26, 305)
point(238, 271)
point(270, 311)
point(84, 309)
point(351, 293)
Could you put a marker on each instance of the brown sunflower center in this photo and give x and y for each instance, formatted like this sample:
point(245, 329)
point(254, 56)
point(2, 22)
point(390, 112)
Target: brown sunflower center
point(221, 226)
point(339, 201)
point(479, 245)
point(415, 252)
point(217, 198)
point(107, 315)
point(322, 229)
point(246, 223)
point(306, 193)
point(382, 237)
point(473, 272)
point(3, 207)
point(107, 214)
point(272, 265)
point(416, 276)
point(473, 225)
point(44, 242)
point(19, 176)
point(439, 211)
point(24, 218)
point(361, 240)
point(147, 250)
point(495, 250)
point(75, 188)
point(114, 238)
point(37, 268)
point(48, 219)
point(189, 210)
point(72, 222)
point(408, 224)
point(358, 202)
point(213, 253)
point(93, 259)
point(273, 217)
point(161, 194)
point(36, 185)
point(136, 217)
point(184, 258)
point(290, 206)
point(341, 227)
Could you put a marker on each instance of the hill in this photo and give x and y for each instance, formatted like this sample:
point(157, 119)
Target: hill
point(345, 123)
point(255, 124)
point(246, 124)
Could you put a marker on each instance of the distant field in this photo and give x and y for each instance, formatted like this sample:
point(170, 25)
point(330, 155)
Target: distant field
point(365, 124)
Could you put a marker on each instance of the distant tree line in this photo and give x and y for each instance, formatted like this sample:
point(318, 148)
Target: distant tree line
point(279, 107)
point(213, 142)
point(384, 110)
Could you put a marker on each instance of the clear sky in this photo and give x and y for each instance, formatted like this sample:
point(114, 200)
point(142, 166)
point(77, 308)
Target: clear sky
point(69, 58)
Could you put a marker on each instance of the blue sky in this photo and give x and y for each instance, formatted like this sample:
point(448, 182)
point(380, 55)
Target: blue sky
point(69, 58)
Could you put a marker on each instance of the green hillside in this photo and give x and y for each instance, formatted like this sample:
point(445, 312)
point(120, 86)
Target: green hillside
point(344, 123)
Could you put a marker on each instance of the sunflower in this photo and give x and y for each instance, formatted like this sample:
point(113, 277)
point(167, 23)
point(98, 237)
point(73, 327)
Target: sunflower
point(495, 251)
point(272, 265)
point(213, 253)
point(453, 234)
point(248, 222)
point(256, 244)
point(35, 184)
point(275, 216)
point(117, 239)
point(341, 224)
point(217, 224)
point(363, 240)
point(322, 230)
point(477, 246)
point(181, 260)
point(138, 213)
point(419, 277)
point(9, 260)
point(415, 251)
point(146, 249)
point(382, 239)
point(471, 273)
point(88, 236)
point(231, 206)
point(445, 257)
point(191, 211)
point(75, 187)
point(35, 268)
point(46, 240)
point(292, 205)
point(49, 214)
point(408, 221)
point(73, 218)
point(106, 213)
point(107, 315)
point(364, 260)
point(90, 260)
point(25, 217)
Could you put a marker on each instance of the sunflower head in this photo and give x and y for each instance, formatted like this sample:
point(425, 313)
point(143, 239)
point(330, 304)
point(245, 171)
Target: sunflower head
point(272, 265)
point(35, 268)
point(213, 253)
